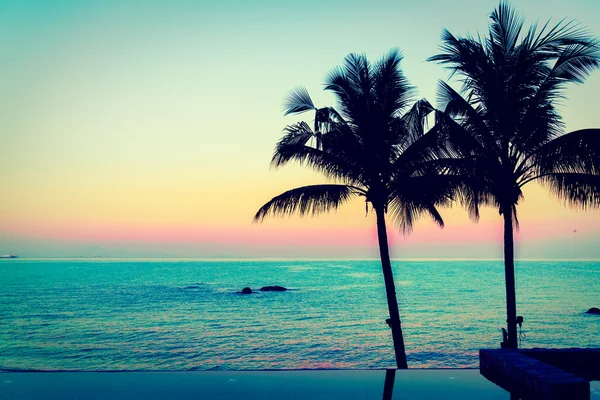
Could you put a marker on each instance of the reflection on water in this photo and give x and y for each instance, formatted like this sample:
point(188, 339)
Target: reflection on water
point(388, 385)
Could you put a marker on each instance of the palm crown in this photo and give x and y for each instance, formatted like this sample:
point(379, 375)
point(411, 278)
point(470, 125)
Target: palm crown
point(374, 146)
point(508, 112)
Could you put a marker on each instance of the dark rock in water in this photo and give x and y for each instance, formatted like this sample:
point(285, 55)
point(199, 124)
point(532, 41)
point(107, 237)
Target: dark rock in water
point(273, 289)
point(594, 310)
point(246, 290)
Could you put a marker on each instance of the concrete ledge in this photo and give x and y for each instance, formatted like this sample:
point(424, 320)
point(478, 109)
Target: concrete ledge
point(530, 378)
point(582, 362)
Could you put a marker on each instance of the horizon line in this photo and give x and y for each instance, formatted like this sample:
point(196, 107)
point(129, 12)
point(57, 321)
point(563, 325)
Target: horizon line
point(133, 258)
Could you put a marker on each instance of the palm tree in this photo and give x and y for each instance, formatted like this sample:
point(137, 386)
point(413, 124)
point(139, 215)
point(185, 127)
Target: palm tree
point(507, 125)
point(374, 147)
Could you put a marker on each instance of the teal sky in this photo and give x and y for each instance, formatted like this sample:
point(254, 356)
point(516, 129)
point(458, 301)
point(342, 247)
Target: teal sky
point(145, 128)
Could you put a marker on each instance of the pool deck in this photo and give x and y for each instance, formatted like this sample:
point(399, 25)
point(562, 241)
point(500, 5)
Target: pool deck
point(464, 384)
point(553, 374)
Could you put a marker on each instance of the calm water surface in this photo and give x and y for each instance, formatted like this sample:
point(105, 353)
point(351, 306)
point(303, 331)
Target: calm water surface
point(185, 315)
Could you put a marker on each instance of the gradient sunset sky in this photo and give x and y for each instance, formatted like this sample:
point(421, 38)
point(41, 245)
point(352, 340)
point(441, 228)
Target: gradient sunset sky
point(145, 128)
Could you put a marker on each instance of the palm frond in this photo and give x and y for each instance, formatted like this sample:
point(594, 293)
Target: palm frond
point(464, 113)
point(414, 123)
point(505, 28)
point(548, 41)
point(390, 87)
point(515, 217)
point(433, 212)
point(352, 84)
point(464, 181)
point(577, 151)
point(412, 196)
point(299, 133)
point(337, 81)
point(445, 140)
point(576, 62)
point(297, 100)
point(573, 59)
point(359, 73)
point(467, 58)
point(307, 200)
point(332, 165)
point(406, 213)
point(575, 189)
point(540, 121)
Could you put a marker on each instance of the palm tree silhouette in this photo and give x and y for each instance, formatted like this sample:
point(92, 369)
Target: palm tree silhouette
point(375, 147)
point(507, 125)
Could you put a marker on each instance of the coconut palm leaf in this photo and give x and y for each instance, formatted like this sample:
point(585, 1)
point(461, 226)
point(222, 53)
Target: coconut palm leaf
point(405, 214)
point(575, 189)
point(446, 140)
point(297, 134)
point(333, 166)
point(577, 152)
point(460, 110)
point(308, 200)
point(541, 122)
point(549, 40)
point(576, 62)
point(297, 100)
point(391, 86)
point(505, 29)
point(345, 83)
point(413, 196)
point(413, 123)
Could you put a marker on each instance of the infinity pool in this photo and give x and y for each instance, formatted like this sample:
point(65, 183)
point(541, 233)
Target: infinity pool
point(324, 384)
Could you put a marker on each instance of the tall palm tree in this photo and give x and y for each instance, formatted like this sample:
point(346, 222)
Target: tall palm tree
point(374, 147)
point(507, 125)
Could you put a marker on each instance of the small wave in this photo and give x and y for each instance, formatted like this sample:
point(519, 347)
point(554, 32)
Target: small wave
point(308, 317)
point(361, 274)
point(300, 269)
point(195, 286)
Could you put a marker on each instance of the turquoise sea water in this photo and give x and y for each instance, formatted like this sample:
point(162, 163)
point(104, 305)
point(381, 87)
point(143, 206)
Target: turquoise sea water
point(186, 315)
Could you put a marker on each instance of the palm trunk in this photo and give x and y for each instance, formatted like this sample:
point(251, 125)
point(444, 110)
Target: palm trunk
point(509, 277)
point(390, 291)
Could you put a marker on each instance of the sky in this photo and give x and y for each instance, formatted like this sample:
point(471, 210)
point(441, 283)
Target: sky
point(145, 128)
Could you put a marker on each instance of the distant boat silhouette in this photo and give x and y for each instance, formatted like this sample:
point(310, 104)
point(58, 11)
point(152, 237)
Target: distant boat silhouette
point(8, 256)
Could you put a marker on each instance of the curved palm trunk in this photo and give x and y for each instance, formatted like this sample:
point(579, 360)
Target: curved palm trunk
point(509, 277)
point(390, 291)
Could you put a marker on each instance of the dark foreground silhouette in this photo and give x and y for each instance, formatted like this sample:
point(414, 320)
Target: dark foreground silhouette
point(373, 145)
point(505, 125)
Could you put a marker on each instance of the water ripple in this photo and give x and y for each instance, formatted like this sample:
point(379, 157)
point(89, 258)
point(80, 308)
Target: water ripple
point(113, 315)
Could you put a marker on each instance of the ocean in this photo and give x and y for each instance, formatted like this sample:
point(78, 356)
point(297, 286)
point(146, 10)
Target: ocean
point(86, 315)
